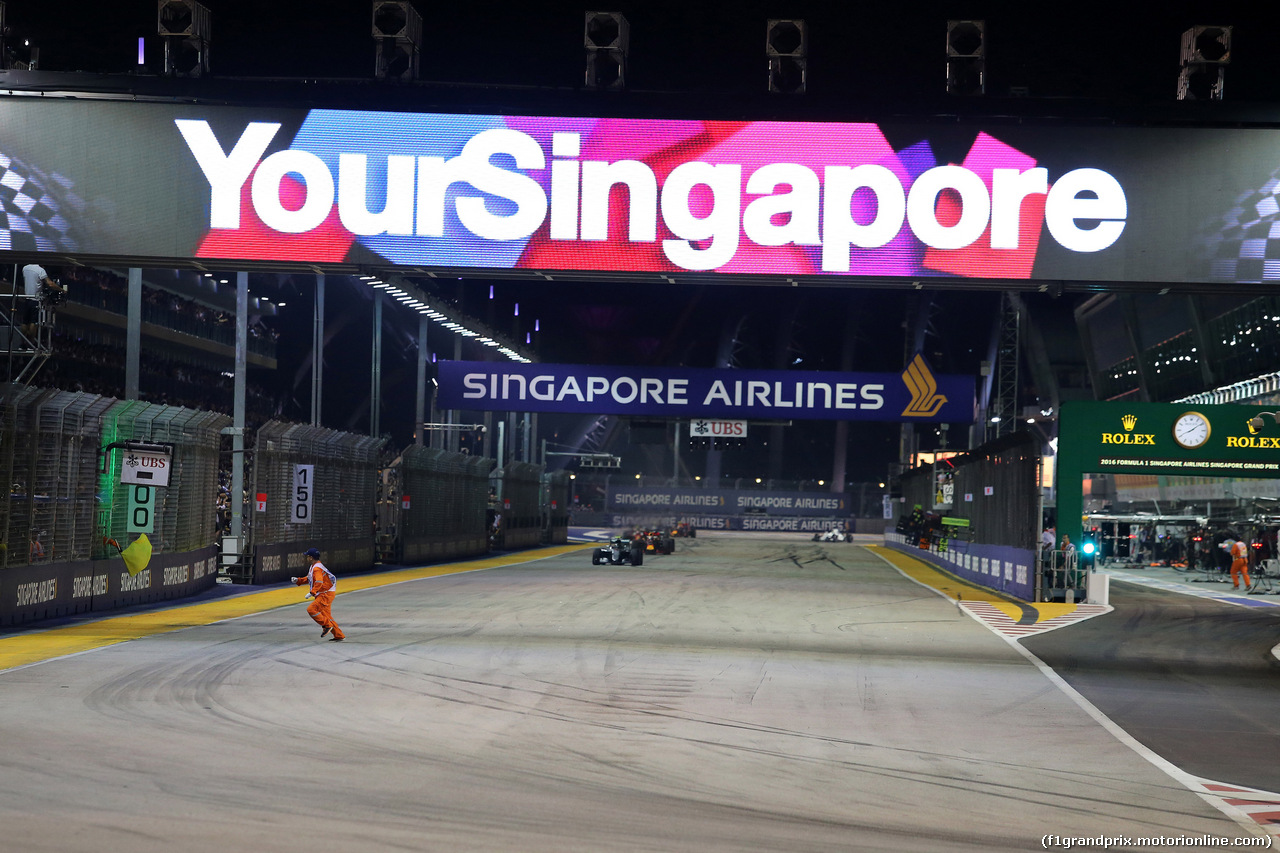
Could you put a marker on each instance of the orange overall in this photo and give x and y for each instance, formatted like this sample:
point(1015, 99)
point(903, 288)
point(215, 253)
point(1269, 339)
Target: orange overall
point(323, 585)
point(1239, 564)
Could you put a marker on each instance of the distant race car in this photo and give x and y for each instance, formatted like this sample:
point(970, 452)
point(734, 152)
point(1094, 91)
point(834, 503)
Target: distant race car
point(831, 535)
point(659, 542)
point(684, 528)
point(620, 552)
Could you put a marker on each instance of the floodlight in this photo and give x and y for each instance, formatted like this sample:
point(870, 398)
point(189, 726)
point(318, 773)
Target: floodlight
point(606, 37)
point(966, 39)
point(397, 31)
point(606, 31)
point(176, 18)
point(786, 47)
point(1203, 43)
point(786, 37)
point(186, 29)
point(1206, 50)
point(1201, 81)
point(966, 57)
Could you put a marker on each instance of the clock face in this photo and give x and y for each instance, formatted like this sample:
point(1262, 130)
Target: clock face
point(1191, 429)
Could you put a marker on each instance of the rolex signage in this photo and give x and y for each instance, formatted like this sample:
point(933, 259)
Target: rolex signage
point(1128, 436)
point(1171, 438)
point(1191, 440)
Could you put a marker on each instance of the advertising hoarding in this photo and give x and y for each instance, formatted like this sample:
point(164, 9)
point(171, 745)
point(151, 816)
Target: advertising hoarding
point(917, 394)
point(664, 502)
point(787, 199)
point(1179, 439)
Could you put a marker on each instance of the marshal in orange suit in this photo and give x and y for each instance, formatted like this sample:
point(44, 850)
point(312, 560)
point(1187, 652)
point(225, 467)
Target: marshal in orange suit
point(324, 586)
point(1240, 565)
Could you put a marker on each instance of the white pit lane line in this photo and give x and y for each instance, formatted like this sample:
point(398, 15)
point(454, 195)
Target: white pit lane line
point(1213, 793)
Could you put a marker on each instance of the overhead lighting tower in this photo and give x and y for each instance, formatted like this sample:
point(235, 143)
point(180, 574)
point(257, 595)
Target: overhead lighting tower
point(786, 46)
point(1206, 52)
point(185, 27)
point(966, 57)
point(607, 39)
point(397, 32)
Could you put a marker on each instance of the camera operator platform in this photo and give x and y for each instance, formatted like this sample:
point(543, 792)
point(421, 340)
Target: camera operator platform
point(28, 318)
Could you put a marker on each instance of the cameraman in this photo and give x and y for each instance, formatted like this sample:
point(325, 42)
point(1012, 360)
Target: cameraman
point(37, 284)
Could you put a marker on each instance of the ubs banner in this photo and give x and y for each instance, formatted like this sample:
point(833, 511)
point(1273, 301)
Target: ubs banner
point(113, 178)
point(32, 593)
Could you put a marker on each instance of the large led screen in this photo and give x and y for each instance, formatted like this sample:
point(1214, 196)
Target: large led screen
point(789, 199)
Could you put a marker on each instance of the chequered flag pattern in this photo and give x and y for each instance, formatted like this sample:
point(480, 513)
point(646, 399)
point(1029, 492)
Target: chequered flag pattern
point(1247, 245)
point(32, 208)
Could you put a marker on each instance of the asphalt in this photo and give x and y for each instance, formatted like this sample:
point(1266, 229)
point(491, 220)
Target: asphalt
point(743, 694)
point(1186, 669)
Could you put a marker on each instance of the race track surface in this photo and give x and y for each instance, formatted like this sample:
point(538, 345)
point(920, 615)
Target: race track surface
point(1191, 678)
point(742, 694)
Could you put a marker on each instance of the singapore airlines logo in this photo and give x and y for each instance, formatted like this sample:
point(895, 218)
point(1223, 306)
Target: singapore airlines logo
point(925, 399)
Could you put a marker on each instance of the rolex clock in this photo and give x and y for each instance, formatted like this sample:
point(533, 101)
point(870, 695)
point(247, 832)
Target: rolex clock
point(1191, 430)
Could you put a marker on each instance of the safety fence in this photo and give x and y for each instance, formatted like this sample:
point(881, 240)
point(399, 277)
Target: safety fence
point(185, 517)
point(70, 521)
point(978, 510)
point(443, 499)
point(557, 492)
point(517, 514)
point(69, 516)
point(311, 488)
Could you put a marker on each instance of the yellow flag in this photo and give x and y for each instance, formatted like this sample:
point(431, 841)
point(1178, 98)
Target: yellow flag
point(138, 555)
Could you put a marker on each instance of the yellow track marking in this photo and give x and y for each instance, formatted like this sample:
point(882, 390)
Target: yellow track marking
point(957, 589)
point(45, 644)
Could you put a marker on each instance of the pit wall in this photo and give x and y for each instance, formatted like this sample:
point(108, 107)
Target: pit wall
point(997, 567)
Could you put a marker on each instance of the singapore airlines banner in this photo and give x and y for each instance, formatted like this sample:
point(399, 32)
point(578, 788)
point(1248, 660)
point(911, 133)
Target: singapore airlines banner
point(914, 395)
point(441, 191)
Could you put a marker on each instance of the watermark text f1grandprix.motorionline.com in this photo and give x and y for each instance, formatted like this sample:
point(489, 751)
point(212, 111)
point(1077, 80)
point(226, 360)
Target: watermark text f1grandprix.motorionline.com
point(1106, 842)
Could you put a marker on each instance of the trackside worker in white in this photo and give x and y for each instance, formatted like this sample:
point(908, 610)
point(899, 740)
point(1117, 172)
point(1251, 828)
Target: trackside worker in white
point(324, 586)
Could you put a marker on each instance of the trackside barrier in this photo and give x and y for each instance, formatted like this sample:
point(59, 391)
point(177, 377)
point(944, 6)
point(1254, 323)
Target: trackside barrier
point(68, 516)
point(319, 486)
point(514, 500)
point(50, 469)
point(52, 590)
point(185, 512)
point(448, 495)
point(998, 567)
point(995, 490)
point(995, 486)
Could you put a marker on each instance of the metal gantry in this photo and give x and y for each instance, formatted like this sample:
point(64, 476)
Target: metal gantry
point(1004, 403)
